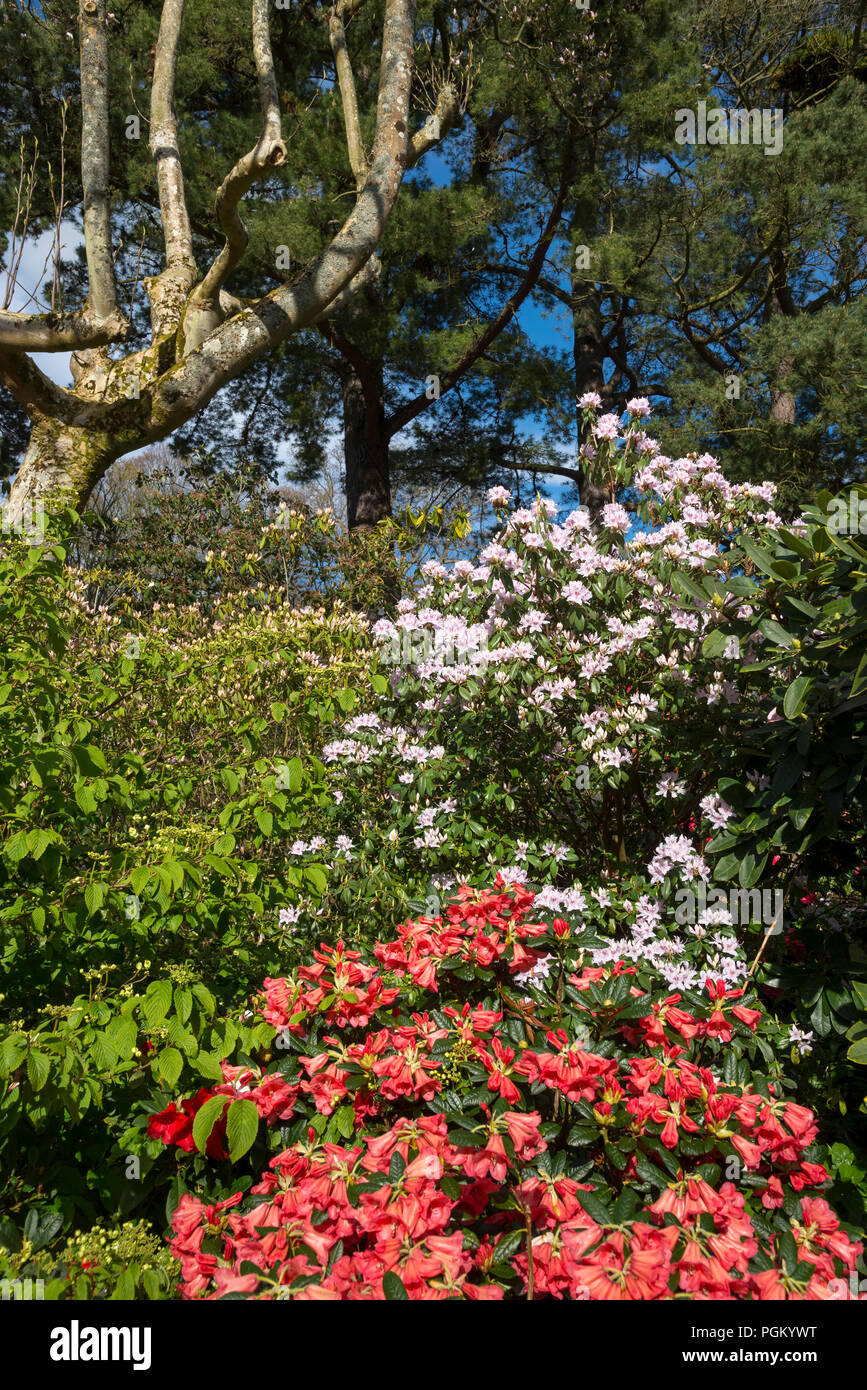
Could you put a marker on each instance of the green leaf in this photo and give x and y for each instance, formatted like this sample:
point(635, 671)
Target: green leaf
point(858, 1052)
point(683, 584)
point(206, 1118)
point(41, 1228)
point(796, 695)
point(170, 1064)
point(759, 557)
point(315, 874)
point(788, 1251)
point(242, 1126)
point(38, 1069)
point(15, 848)
point(103, 1052)
point(209, 1066)
point(139, 878)
point(175, 873)
point(12, 1052)
point(727, 866)
point(38, 842)
point(264, 820)
point(797, 543)
point(509, 1246)
point(94, 897)
point(123, 1034)
point(183, 1003)
point(157, 1002)
point(392, 1286)
point(775, 633)
point(124, 1289)
point(595, 1208)
point(85, 798)
point(345, 1118)
point(821, 1017)
point(205, 997)
point(715, 643)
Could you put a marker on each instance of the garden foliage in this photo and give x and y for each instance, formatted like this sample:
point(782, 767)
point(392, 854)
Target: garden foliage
point(551, 1081)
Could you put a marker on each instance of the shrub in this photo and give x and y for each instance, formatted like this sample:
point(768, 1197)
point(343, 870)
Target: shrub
point(153, 769)
point(487, 1106)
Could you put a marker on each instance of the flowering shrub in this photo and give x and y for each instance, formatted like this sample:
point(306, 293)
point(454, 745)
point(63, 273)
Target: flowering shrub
point(552, 700)
point(125, 1261)
point(491, 1105)
point(146, 802)
point(591, 686)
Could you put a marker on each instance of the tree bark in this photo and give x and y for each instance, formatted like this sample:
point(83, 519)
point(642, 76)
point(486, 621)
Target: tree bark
point(780, 304)
point(365, 445)
point(60, 459)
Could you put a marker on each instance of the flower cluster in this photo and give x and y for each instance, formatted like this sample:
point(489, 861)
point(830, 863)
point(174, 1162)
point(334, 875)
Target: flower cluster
point(602, 1138)
point(559, 679)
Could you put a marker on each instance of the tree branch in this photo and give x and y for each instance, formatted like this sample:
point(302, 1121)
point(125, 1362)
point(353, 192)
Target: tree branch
point(367, 275)
point(348, 94)
point(448, 109)
point(60, 332)
point(99, 320)
point(168, 292)
point(204, 313)
point(242, 339)
point(415, 407)
point(33, 390)
point(93, 41)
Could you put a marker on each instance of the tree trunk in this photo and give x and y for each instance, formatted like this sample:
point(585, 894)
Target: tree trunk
point(780, 303)
point(365, 447)
point(783, 404)
point(62, 463)
point(588, 355)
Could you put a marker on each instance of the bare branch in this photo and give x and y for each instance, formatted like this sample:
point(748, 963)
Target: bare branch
point(367, 275)
point(33, 390)
point(93, 40)
point(78, 434)
point(60, 332)
point(448, 109)
point(348, 95)
point(99, 320)
point(244, 338)
point(269, 153)
point(168, 291)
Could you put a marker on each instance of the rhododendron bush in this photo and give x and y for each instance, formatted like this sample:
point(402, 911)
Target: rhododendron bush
point(497, 1102)
point(590, 687)
point(553, 703)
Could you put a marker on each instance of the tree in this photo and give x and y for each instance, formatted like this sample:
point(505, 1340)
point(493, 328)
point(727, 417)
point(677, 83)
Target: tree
point(432, 344)
point(201, 336)
point(727, 283)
